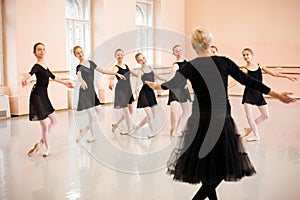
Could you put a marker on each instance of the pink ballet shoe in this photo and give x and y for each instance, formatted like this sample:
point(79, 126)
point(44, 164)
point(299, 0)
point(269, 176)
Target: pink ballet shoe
point(124, 133)
point(35, 149)
point(171, 131)
point(151, 135)
point(81, 133)
point(247, 131)
point(114, 127)
point(253, 139)
point(91, 139)
point(46, 154)
point(178, 134)
point(132, 131)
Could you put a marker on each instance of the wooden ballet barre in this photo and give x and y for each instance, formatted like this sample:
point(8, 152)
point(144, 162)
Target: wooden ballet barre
point(60, 71)
point(65, 79)
point(283, 67)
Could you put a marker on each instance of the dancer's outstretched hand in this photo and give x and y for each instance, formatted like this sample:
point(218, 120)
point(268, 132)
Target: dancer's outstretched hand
point(69, 85)
point(283, 96)
point(121, 76)
point(153, 85)
point(111, 86)
point(84, 85)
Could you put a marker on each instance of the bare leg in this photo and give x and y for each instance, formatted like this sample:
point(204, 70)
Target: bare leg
point(126, 114)
point(130, 107)
point(145, 120)
point(115, 125)
point(43, 140)
point(264, 114)
point(82, 132)
point(251, 122)
point(99, 112)
point(136, 128)
point(92, 121)
point(150, 112)
point(186, 112)
point(174, 120)
point(53, 121)
point(47, 129)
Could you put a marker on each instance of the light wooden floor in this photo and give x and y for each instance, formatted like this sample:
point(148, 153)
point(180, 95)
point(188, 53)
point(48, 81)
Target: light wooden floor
point(127, 168)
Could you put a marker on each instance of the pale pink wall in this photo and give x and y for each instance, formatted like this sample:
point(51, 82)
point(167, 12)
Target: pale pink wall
point(28, 22)
point(170, 16)
point(270, 27)
point(110, 18)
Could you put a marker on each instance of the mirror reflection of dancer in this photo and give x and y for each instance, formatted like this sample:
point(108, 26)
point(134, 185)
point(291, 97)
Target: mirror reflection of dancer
point(146, 97)
point(179, 97)
point(88, 99)
point(40, 107)
point(253, 97)
point(227, 160)
point(123, 93)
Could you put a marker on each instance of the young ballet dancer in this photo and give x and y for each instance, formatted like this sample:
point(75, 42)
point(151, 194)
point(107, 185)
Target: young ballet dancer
point(179, 96)
point(227, 159)
point(88, 99)
point(146, 97)
point(40, 107)
point(252, 97)
point(123, 93)
point(214, 50)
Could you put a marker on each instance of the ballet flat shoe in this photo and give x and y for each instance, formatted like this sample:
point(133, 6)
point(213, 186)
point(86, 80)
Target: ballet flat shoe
point(114, 127)
point(253, 139)
point(45, 154)
point(247, 131)
point(35, 149)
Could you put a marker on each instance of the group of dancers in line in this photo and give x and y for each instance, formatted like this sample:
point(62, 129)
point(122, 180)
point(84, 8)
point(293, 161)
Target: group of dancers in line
point(226, 161)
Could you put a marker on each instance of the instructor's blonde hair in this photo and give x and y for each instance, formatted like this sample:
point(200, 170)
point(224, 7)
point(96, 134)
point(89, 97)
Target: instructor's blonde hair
point(201, 39)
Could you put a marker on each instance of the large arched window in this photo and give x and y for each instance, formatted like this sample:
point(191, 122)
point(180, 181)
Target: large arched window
point(78, 31)
point(143, 21)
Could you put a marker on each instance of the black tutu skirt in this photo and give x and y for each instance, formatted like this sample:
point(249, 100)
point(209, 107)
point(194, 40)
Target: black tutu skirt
point(226, 161)
point(146, 97)
point(179, 94)
point(253, 97)
point(39, 104)
point(87, 99)
point(123, 96)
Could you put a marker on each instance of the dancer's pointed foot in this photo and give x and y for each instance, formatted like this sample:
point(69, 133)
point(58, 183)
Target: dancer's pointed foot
point(133, 130)
point(151, 135)
point(46, 153)
point(178, 134)
point(81, 133)
point(114, 127)
point(171, 131)
point(124, 132)
point(91, 139)
point(35, 149)
point(247, 131)
point(253, 139)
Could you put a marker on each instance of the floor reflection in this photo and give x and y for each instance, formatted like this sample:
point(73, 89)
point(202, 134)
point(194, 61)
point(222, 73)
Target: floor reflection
point(128, 168)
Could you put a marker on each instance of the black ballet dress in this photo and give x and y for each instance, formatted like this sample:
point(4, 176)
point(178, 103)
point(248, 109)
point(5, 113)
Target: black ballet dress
point(181, 94)
point(252, 96)
point(88, 97)
point(146, 96)
point(227, 160)
point(39, 103)
point(123, 92)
